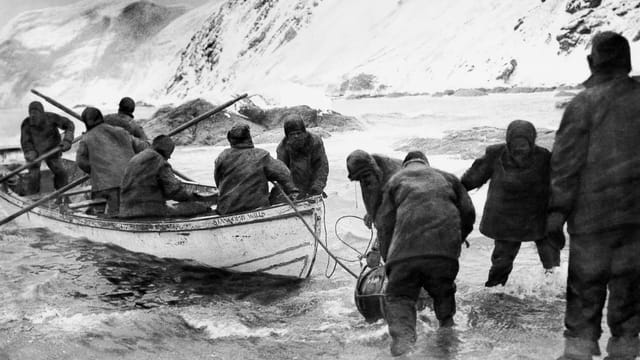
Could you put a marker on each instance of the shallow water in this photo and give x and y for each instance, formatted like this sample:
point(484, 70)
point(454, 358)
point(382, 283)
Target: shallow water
point(69, 298)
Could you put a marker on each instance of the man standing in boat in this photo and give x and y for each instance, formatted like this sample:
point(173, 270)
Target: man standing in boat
point(372, 171)
point(304, 155)
point(595, 188)
point(149, 182)
point(124, 118)
point(104, 152)
point(242, 174)
point(425, 216)
point(39, 134)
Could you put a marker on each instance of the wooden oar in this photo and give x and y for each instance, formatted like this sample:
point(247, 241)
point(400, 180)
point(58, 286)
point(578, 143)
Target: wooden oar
point(48, 197)
point(57, 104)
point(293, 206)
point(190, 123)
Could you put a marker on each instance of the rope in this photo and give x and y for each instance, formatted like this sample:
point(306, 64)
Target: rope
point(346, 243)
point(293, 206)
point(328, 274)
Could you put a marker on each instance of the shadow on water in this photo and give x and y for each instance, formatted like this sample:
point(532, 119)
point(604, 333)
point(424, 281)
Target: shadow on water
point(145, 281)
point(499, 311)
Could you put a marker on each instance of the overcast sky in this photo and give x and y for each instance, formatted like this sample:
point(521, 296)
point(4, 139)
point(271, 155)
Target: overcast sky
point(11, 8)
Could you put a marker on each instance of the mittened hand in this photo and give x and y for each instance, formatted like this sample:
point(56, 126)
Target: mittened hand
point(555, 222)
point(367, 221)
point(373, 258)
point(294, 196)
point(66, 145)
point(30, 156)
point(315, 191)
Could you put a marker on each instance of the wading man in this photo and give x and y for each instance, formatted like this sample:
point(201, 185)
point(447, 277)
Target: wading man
point(595, 188)
point(424, 218)
point(516, 206)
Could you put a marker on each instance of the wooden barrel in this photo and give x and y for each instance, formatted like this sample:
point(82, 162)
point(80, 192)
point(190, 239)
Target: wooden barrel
point(369, 293)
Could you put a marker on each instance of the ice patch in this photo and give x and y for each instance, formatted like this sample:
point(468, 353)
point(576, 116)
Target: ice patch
point(225, 328)
point(336, 308)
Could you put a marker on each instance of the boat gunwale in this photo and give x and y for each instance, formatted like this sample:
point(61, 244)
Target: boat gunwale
point(201, 223)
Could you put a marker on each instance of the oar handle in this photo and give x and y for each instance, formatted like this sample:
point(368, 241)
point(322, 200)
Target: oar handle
point(293, 206)
point(57, 104)
point(46, 198)
point(190, 123)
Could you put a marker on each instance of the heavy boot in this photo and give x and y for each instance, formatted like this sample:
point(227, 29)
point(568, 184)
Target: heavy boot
point(400, 314)
point(401, 345)
point(578, 349)
point(622, 348)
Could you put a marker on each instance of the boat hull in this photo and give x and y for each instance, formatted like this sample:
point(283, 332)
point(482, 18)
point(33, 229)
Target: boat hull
point(270, 240)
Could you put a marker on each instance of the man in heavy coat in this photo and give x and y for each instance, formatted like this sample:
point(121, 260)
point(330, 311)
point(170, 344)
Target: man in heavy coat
point(516, 206)
point(424, 218)
point(39, 134)
point(148, 182)
point(372, 171)
point(304, 155)
point(104, 152)
point(242, 174)
point(124, 118)
point(595, 188)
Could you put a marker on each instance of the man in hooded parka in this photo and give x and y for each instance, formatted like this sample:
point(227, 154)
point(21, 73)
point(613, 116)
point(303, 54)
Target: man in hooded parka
point(148, 182)
point(104, 152)
point(304, 155)
point(242, 174)
point(372, 171)
point(595, 188)
point(516, 207)
point(425, 216)
point(39, 134)
point(124, 118)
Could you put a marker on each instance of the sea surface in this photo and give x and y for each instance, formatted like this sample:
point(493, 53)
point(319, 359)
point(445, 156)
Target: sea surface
point(71, 298)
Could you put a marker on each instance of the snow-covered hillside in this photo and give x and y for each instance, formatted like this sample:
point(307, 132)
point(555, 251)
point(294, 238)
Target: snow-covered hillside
point(95, 51)
point(296, 51)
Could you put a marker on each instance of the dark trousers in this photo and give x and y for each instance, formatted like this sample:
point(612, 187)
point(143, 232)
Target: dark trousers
point(597, 261)
point(60, 177)
point(112, 196)
point(405, 279)
point(505, 252)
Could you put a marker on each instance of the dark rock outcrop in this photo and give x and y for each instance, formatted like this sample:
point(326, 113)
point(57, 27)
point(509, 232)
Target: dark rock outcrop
point(470, 92)
point(207, 132)
point(508, 70)
point(574, 6)
point(266, 125)
point(274, 118)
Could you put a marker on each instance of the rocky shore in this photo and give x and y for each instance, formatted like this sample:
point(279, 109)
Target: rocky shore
point(266, 124)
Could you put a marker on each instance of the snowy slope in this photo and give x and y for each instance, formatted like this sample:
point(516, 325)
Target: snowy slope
point(294, 51)
point(399, 46)
point(94, 51)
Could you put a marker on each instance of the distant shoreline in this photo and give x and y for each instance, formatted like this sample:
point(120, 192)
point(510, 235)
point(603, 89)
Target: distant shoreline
point(466, 92)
